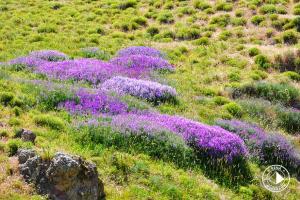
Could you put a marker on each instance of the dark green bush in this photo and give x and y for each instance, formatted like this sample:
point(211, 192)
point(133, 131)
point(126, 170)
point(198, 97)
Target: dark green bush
point(253, 51)
point(187, 33)
point(221, 20)
point(202, 41)
point(202, 5)
point(268, 9)
point(6, 98)
point(153, 31)
point(257, 19)
point(289, 120)
point(262, 61)
point(165, 18)
point(223, 6)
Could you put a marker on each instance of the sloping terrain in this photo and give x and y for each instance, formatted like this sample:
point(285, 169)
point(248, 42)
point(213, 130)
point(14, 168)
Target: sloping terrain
point(170, 99)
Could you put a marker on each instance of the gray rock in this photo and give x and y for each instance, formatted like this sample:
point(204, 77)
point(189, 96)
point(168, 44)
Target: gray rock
point(25, 154)
point(28, 136)
point(63, 177)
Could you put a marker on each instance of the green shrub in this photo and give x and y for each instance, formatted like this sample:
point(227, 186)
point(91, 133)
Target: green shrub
point(234, 109)
point(223, 6)
point(165, 17)
point(275, 92)
point(234, 77)
point(6, 98)
point(3, 133)
point(257, 19)
point(262, 61)
point(142, 21)
point(238, 21)
point(253, 51)
point(202, 41)
point(153, 31)
point(296, 23)
point(292, 75)
point(202, 5)
point(225, 35)
point(187, 33)
point(49, 121)
point(221, 20)
point(219, 100)
point(17, 111)
point(297, 9)
point(14, 144)
point(290, 37)
point(289, 120)
point(268, 9)
point(258, 75)
point(127, 4)
point(14, 121)
point(47, 29)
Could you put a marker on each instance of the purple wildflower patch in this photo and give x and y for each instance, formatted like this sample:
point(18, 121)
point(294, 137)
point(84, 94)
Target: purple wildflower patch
point(96, 103)
point(140, 50)
point(27, 61)
point(149, 90)
point(143, 62)
point(49, 55)
point(210, 141)
point(91, 70)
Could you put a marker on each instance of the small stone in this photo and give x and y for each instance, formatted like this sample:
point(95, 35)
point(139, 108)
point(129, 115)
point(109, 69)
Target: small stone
point(25, 154)
point(28, 136)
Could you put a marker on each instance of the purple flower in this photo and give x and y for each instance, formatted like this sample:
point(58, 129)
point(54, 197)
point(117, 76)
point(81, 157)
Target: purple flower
point(140, 50)
point(49, 55)
point(252, 135)
point(96, 103)
point(149, 90)
point(143, 62)
point(267, 148)
point(27, 61)
point(91, 70)
point(211, 141)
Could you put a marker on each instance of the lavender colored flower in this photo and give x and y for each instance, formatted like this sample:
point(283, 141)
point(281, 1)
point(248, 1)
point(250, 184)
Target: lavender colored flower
point(210, 141)
point(49, 55)
point(252, 135)
point(143, 61)
point(140, 50)
point(86, 102)
point(267, 148)
point(91, 70)
point(27, 61)
point(149, 90)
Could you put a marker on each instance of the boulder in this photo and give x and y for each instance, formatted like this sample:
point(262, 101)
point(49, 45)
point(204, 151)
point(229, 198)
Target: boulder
point(63, 177)
point(26, 135)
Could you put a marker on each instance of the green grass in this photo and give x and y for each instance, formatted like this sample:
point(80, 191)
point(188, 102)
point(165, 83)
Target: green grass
point(214, 46)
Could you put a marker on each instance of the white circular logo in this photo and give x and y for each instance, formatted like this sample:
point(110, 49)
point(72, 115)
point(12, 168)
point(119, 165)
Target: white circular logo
point(276, 178)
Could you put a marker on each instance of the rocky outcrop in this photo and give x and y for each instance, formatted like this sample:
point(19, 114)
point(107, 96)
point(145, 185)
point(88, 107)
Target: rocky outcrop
point(26, 135)
point(64, 177)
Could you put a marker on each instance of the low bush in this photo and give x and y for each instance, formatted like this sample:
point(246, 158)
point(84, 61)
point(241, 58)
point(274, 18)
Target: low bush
point(275, 92)
point(165, 18)
point(152, 31)
point(234, 109)
point(292, 75)
point(289, 120)
point(186, 33)
point(257, 19)
point(262, 61)
point(290, 37)
point(52, 122)
point(202, 5)
point(221, 20)
point(268, 9)
point(94, 52)
point(253, 51)
point(127, 4)
point(201, 41)
point(224, 6)
point(6, 98)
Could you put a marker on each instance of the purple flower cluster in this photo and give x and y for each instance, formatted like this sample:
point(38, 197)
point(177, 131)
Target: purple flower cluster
point(252, 135)
point(27, 61)
point(267, 148)
point(140, 50)
point(149, 90)
point(91, 70)
point(96, 103)
point(210, 141)
point(143, 62)
point(49, 55)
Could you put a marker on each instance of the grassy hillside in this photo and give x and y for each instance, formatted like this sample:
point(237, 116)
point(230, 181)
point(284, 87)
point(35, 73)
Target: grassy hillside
point(232, 60)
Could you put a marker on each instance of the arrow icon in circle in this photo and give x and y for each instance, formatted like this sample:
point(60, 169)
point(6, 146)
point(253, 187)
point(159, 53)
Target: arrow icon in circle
point(279, 178)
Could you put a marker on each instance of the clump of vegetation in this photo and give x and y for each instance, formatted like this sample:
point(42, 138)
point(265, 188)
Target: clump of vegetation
point(290, 37)
point(234, 109)
point(253, 51)
point(49, 121)
point(288, 61)
point(262, 61)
